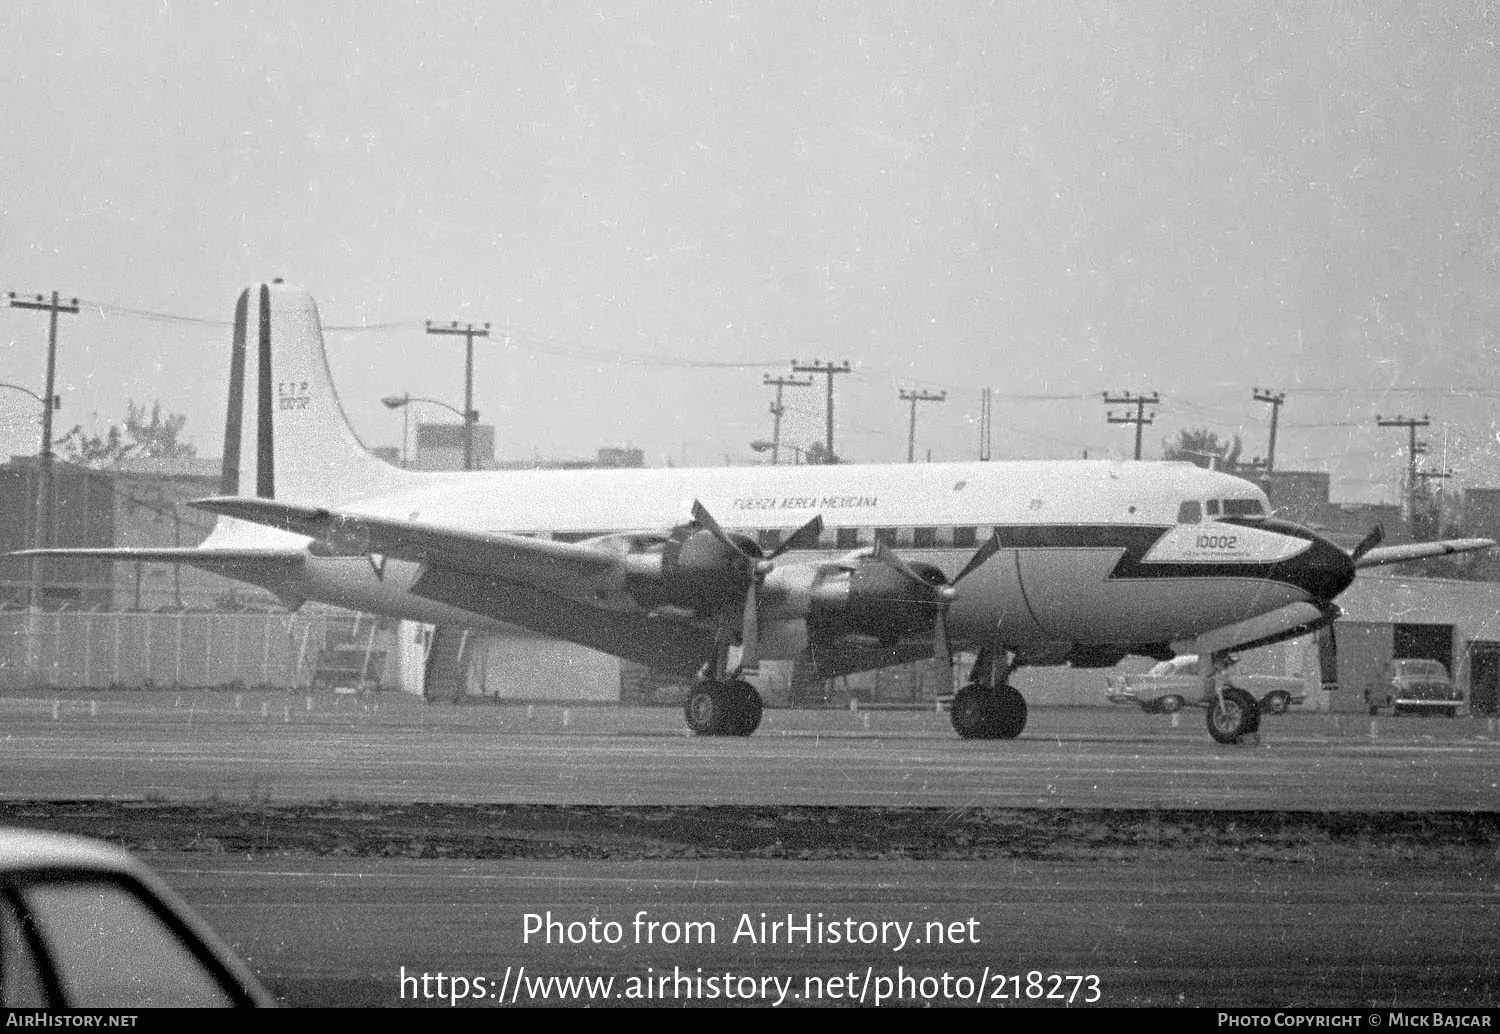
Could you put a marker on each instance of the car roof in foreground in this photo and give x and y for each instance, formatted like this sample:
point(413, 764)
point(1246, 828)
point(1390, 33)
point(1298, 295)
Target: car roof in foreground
point(28, 850)
point(32, 849)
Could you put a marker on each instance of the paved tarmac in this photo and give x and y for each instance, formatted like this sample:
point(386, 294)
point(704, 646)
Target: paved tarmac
point(274, 747)
point(1189, 919)
point(1176, 931)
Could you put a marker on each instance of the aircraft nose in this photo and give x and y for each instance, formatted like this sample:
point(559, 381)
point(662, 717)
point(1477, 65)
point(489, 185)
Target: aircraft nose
point(1323, 570)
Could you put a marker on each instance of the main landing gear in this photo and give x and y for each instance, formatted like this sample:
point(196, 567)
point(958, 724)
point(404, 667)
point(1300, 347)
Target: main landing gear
point(722, 704)
point(731, 708)
point(988, 708)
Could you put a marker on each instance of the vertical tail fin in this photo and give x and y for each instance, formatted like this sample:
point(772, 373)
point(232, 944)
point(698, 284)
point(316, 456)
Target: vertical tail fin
point(302, 445)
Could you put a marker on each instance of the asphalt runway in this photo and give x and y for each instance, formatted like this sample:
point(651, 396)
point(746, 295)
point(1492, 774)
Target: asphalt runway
point(273, 747)
point(1201, 915)
point(1176, 931)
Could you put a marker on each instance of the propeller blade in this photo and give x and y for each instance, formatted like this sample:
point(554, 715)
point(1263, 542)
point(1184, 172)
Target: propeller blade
point(1369, 542)
point(805, 537)
point(703, 517)
point(942, 650)
point(989, 549)
point(750, 628)
point(888, 556)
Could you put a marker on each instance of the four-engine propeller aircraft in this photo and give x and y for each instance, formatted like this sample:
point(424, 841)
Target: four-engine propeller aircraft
point(704, 572)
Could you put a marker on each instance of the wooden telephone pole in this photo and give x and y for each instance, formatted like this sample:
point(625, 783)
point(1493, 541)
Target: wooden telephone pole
point(42, 534)
point(829, 370)
point(469, 332)
point(1140, 420)
point(911, 432)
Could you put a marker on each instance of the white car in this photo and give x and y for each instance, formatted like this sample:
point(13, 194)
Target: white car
point(83, 925)
point(1172, 685)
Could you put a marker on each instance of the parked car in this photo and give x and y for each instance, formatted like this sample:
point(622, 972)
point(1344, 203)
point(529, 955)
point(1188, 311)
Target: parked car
point(1414, 685)
point(83, 925)
point(1172, 685)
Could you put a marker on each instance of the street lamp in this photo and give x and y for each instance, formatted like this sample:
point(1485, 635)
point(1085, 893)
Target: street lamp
point(403, 402)
point(765, 446)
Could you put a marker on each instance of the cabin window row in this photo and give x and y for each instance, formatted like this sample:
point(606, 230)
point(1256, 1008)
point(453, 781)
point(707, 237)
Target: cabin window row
point(923, 537)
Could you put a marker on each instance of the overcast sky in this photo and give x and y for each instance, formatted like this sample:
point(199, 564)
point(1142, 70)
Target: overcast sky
point(1053, 200)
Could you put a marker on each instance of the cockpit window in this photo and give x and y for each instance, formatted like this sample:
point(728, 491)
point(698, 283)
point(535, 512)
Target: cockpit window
point(1213, 508)
point(1242, 507)
point(1189, 512)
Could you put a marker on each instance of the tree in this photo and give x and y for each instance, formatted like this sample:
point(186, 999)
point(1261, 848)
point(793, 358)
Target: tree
point(817, 454)
point(1204, 448)
point(160, 437)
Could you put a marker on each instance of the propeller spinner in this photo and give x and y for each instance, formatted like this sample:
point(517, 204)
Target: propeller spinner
point(756, 568)
point(942, 593)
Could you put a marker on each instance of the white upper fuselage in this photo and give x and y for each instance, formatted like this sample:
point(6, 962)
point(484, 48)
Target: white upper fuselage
point(1077, 492)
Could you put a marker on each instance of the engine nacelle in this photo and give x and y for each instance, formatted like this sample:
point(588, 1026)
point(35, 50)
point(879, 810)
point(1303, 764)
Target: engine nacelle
point(876, 600)
point(782, 640)
point(693, 570)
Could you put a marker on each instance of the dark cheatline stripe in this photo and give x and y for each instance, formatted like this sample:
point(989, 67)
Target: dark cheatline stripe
point(265, 474)
point(1322, 570)
point(234, 419)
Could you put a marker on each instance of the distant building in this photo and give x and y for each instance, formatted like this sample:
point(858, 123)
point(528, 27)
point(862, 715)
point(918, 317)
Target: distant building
point(1296, 495)
point(141, 503)
point(83, 514)
point(441, 447)
point(607, 457)
point(1481, 512)
point(152, 511)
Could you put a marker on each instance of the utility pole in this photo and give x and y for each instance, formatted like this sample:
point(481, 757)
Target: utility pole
point(1140, 420)
point(911, 431)
point(1436, 508)
point(470, 332)
point(828, 369)
point(1276, 400)
point(1414, 449)
point(777, 409)
point(42, 535)
point(984, 425)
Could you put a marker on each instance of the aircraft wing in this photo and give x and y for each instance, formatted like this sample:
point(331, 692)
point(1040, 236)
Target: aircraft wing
point(574, 570)
point(1418, 551)
point(209, 559)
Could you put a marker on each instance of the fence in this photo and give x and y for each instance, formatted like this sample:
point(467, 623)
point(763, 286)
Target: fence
point(145, 650)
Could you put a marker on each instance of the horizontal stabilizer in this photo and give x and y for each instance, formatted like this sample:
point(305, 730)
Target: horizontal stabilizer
point(1418, 551)
point(573, 569)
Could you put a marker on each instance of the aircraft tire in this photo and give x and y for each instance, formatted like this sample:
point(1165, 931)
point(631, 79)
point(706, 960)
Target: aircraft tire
point(708, 709)
point(1238, 715)
point(1009, 714)
point(745, 708)
point(971, 712)
point(981, 713)
point(1169, 705)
